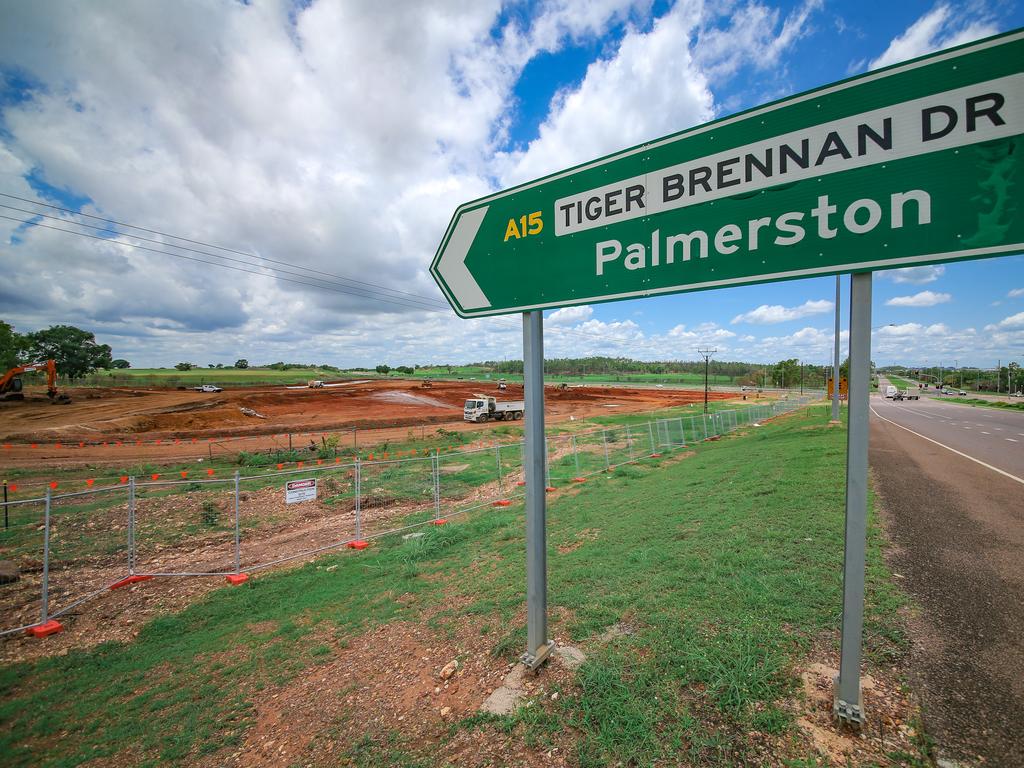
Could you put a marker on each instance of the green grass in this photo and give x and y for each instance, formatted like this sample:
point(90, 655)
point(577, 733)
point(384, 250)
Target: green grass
point(899, 383)
point(727, 565)
point(981, 403)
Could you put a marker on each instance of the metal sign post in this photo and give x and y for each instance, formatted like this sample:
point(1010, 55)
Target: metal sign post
point(835, 360)
point(888, 164)
point(847, 705)
point(538, 645)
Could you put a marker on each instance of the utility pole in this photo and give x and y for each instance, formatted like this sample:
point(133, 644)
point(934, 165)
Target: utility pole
point(999, 375)
point(706, 354)
point(801, 377)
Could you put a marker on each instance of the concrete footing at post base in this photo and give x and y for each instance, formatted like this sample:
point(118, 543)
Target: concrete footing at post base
point(47, 628)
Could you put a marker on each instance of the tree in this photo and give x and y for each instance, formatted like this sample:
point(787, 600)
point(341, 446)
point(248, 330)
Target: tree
point(75, 351)
point(384, 369)
point(243, 363)
point(119, 363)
point(786, 373)
point(11, 345)
point(183, 367)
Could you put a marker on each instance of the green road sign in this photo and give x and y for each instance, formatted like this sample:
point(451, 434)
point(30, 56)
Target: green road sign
point(914, 164)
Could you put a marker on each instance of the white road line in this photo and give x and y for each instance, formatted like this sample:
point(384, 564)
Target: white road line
point(953, 450)
point(984, 433)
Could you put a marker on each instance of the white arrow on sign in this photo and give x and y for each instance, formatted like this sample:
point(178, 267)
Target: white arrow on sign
point(452, 264)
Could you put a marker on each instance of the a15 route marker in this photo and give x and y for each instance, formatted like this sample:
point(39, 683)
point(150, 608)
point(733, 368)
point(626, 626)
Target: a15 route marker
point(915, 164)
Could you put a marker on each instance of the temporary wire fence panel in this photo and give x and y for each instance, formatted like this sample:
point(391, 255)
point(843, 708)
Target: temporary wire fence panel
point(295, 513)
point(88, 545)
point(510, 468)
point(473, 479)
point(181, 527)
point(397, 490)
point(213, 526)
point(21, 543)
point(591, 457)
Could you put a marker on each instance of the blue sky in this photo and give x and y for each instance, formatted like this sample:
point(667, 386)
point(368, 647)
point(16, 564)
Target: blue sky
point(339, 137)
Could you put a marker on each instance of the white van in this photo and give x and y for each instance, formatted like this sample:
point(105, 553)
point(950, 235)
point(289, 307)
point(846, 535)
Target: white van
point(890, 391)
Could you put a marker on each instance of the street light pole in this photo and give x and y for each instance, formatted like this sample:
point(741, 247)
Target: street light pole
point(706, 353)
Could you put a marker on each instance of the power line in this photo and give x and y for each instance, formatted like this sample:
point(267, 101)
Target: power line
point(184, 248)
point(204, 244)
point(404, 298)
point(334, 289)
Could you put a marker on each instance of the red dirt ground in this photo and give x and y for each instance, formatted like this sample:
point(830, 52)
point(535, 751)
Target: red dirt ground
point(180, 420)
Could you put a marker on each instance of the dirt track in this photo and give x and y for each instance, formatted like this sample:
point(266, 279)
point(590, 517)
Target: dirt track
point(160, 424)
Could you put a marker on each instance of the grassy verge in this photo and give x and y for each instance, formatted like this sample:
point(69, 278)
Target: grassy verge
point(977, 402)
point(726, 566)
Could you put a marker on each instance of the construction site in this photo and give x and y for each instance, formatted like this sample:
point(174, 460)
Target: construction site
point(100, 424)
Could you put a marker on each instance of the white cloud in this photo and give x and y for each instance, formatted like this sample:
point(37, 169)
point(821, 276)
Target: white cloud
point(569, 315)
point(915, 275)
point(941, 27)
point(921, 299)
point(1013, 322)
point(650, 87)
point(767, 314)
point(1016, 293)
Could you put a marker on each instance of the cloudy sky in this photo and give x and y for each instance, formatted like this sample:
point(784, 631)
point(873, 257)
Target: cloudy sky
point(301, 160)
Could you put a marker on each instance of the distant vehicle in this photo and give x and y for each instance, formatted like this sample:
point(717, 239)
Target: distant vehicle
point(890, 391)
point(903, 394)
point(502, 385)
point(208, 388)
point(481, 408)
point(315, 384)
point(962, 393)
point(1016, 394)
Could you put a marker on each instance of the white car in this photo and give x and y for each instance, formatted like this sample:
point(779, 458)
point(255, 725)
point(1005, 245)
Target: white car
point(208, 388)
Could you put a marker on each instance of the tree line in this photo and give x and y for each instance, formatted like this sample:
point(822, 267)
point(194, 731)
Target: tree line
point(75, 351)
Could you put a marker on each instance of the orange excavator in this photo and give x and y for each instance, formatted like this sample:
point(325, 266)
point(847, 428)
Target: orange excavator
point(11, 386)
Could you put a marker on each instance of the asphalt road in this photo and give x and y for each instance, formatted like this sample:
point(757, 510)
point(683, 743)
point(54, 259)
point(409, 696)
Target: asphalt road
point(988, 434)
point(957, 522)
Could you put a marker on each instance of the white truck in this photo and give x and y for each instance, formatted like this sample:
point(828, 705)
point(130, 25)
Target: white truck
point(481, 408)
point(890, 391)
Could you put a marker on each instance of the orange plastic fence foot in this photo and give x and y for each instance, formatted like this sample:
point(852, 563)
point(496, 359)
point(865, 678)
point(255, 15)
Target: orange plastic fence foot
point(234, 579)
point(502, 503)
point(439, 521)
point(655, 455)
point(47, 628)
point(358, 544)
point(520, 482)
point(579, 479)
point(550, 488)
point(129, 580)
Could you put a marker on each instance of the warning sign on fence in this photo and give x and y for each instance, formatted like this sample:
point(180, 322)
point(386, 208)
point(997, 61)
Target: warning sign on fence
point(299, 490)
